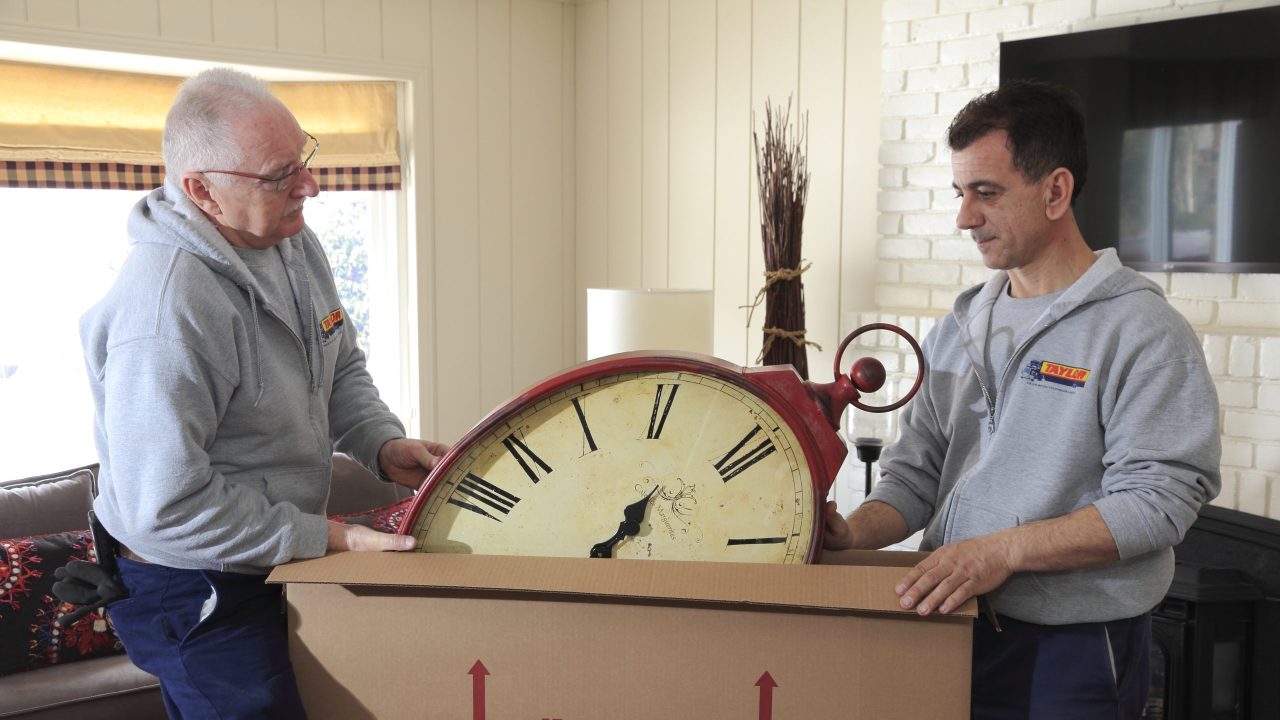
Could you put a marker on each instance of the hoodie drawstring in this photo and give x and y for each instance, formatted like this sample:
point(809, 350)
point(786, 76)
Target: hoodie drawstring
point(257, 343)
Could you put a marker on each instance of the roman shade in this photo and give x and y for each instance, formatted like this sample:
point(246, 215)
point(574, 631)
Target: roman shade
point(65, 127)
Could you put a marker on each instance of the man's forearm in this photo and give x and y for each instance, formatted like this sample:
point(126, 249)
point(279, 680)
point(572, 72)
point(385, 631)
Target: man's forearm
point(1076, 540)
point(875, 525)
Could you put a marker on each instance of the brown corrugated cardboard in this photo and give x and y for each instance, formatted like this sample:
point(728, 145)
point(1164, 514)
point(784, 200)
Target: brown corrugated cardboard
point(481, 637)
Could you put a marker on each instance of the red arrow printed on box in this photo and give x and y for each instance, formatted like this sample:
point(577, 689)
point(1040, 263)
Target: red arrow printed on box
point(477, 673)
point(766, 685)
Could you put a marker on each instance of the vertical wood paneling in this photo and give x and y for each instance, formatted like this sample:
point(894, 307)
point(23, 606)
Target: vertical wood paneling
point(538, 244)
point(733, 178)
point(404, 25)
point(242, 23)
point(14, 10)
point(625, 142)
point(121, 17)
point(693, 144)
point(568, 182)
point(300, 25)
point(822, 97)
point(861, 157)
point(494, 193)
point(775, 51)
point(655, 59)
point(57, 13)
point(591, 106)
point(457, 267)
point(354, 29)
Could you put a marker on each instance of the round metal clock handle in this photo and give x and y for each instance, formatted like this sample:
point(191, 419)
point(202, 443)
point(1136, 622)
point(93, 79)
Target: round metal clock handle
point(868, 374)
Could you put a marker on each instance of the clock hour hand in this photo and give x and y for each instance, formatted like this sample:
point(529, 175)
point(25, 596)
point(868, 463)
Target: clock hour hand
point(633, 515)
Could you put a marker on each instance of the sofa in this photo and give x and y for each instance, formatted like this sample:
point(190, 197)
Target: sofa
point(46, 673)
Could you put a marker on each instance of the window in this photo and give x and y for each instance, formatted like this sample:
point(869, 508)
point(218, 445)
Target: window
point(61, 252)
point(62, 247)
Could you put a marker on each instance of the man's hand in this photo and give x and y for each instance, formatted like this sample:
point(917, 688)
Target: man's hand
point(406, 462)
point(837, 535)
point(359, 537)
point(954, 573)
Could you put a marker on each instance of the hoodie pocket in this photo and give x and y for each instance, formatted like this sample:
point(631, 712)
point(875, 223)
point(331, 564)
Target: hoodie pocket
point(970, 519)
point(307, 489)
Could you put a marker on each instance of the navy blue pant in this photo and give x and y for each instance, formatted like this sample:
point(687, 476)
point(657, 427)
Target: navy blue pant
point(233, 663)
point(1089, 671)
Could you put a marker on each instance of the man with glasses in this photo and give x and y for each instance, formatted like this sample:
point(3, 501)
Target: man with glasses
point(225, 374)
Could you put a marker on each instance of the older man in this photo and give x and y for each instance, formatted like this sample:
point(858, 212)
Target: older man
point(1065, 438)
point(225, 374)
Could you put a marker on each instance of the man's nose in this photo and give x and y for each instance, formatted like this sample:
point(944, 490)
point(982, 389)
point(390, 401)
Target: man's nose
point(306, 186)
point(968, 217)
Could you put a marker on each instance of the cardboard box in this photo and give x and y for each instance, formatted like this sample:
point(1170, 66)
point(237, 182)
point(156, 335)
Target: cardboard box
point(468, 637)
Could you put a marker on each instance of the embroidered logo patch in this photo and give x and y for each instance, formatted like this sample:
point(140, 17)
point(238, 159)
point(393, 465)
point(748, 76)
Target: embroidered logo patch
point(331, 322)
point(1063, 375)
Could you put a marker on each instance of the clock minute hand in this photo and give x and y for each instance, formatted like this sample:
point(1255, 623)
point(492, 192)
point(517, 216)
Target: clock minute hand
point(633, 515)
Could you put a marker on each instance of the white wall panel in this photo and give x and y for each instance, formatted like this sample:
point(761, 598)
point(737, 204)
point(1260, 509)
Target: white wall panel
point(120, 17)
point(301, 25)
point(242, 23)
point(861, 157)
point(355, 29)
point(733, 179)
point(540, 318)
point(625, 143)
point(405, 29)
point(692, 220)
point(821, 97)
point(457, 261)
point(655, 142)
point(55, 13)
point(494, 120)
point(591, 157)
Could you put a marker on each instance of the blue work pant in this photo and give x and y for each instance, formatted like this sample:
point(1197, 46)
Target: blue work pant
point(1087, 671)
point(225, 657)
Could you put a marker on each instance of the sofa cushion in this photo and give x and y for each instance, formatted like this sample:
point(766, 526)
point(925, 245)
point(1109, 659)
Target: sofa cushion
point(48, 503)
point(29, 637)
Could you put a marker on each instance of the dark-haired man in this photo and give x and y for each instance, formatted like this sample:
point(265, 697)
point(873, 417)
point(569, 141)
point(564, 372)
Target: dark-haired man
point(1064, 439)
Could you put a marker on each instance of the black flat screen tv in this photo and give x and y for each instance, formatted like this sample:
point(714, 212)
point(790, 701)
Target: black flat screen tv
point(1183, 121)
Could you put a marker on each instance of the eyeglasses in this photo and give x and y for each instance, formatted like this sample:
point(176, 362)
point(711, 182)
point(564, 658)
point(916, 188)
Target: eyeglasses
point(276, 184)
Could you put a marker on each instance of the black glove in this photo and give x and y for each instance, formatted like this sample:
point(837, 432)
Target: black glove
point(85, 583)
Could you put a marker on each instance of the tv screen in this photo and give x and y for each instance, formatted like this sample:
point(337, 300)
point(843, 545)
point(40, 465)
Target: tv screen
point(1183, 122)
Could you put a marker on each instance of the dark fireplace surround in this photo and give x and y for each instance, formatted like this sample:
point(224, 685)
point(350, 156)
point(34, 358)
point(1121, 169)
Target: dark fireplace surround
point(1216, 636)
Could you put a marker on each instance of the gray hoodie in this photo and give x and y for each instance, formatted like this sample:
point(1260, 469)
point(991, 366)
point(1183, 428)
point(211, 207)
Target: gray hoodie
point(1106, 400)
point(215, 422)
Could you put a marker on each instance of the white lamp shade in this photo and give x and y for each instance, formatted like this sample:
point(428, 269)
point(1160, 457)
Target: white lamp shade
point(651, 319)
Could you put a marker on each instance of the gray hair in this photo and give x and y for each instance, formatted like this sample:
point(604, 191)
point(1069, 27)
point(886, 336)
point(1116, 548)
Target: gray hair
point(199, 132)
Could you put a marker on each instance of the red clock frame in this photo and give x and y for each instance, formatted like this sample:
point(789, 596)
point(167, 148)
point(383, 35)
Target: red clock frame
point(811, 410)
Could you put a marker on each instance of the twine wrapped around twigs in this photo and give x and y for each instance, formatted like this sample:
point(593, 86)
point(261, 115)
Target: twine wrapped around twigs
point(783, 177)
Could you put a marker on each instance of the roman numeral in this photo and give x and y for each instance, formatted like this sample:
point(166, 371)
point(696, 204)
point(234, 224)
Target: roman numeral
point(655, 422)
point(736, 461)
point(582, 418)
point(485, 493)
point(756, 541)
point(520, 451)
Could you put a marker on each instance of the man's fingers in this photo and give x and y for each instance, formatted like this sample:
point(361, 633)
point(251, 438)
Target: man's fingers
point(369, 540)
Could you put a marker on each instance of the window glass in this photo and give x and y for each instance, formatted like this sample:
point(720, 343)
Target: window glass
point(60, 252)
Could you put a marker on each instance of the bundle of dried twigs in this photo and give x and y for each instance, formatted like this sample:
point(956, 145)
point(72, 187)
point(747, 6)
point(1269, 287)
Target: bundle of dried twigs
point(783, 178)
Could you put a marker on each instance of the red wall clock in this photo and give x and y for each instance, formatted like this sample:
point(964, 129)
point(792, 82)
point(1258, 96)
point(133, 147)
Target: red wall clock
point(646, 455)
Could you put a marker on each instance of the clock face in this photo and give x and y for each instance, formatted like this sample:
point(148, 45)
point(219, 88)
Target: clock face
point(724, 475)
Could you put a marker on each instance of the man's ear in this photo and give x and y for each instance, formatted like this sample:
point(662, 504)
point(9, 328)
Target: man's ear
point(197, 189)
point(1058, 187)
